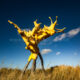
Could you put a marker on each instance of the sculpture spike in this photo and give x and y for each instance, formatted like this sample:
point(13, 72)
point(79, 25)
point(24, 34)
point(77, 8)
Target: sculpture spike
point(35, 22)
point(56, 20)
point(56, 17)
point(51, 20)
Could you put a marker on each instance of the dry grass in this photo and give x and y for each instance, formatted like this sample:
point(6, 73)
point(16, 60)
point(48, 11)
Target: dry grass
point(54, 73)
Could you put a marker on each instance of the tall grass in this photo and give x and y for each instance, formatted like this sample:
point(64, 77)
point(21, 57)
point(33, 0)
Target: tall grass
point(55, 73)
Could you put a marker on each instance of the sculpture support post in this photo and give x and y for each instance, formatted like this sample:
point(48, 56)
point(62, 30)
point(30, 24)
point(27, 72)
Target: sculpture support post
point(42, 63)
point(26, 66)
point(33, 66)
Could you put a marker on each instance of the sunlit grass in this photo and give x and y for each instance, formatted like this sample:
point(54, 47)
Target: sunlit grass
point(55, 73)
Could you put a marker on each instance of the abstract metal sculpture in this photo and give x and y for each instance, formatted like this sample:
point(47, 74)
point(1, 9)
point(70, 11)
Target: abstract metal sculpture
point(34, 37)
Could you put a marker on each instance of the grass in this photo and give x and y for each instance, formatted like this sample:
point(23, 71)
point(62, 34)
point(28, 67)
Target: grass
point(54, 73)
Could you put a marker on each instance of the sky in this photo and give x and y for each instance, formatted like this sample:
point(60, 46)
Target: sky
point(59, 49)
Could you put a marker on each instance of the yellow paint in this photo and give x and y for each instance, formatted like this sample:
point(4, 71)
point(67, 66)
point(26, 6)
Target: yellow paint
point(34, 37)
point(32, 56)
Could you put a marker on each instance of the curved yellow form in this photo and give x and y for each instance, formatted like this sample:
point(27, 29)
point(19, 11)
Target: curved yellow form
point(34, 37)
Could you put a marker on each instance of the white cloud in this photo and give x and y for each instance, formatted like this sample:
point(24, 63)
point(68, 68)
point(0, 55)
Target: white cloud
point(73, 32)
point(69, 34)
point(58, 53)
point(60, 37)
point(45, 51)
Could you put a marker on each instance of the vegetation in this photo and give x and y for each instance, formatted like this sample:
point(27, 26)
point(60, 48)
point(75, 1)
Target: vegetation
point(54, 73)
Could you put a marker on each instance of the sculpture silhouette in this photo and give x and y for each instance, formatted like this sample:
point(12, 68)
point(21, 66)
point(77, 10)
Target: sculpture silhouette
point(34, 37)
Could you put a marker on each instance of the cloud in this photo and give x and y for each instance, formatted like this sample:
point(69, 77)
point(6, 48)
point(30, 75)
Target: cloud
point(60, 37)
point(73, 32)
point(69, 34)
point(45, 51)
point(58, 53)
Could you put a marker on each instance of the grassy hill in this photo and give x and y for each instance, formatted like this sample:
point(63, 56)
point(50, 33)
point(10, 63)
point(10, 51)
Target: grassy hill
point(55, 73)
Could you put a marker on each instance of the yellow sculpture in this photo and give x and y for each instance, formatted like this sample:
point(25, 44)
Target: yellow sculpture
point(34, 37)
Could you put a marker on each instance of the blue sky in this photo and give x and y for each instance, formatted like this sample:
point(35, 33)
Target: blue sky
point(62, 48)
